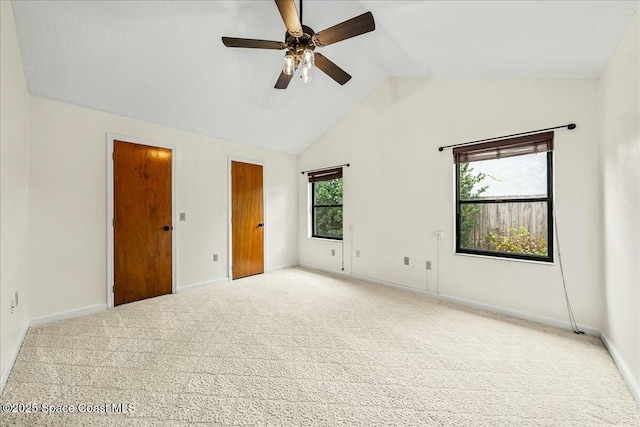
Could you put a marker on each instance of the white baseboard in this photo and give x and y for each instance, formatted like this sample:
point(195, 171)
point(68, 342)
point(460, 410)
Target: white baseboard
point(338, 273)
point(462, 301)
point(12, 357)
point(68, 314)
point(194, 286)
point(622, 367)
point(549, 321)
point(281, 267)
point(40, 321)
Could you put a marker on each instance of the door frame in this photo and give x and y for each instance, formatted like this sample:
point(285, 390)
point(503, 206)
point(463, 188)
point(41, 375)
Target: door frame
point(230, 207)
point(109, 217)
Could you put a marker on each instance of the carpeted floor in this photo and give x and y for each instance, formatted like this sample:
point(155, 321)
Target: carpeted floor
point(295, 347)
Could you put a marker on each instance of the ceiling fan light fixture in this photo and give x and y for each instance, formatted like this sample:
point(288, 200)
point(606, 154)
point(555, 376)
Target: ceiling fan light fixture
point(307, 59)
point(305, 75)
point(300, 43)
point(289, 65)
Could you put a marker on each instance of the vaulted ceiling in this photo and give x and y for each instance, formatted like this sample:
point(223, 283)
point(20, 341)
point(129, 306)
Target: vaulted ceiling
point(163, 61)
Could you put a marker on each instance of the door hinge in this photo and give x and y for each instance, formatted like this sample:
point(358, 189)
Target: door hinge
point(113, 222)
point(113, 155)
point(113, 289)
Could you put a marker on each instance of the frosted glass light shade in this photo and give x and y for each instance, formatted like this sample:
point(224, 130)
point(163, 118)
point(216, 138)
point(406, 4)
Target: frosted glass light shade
point(308, 59)
point(289, 65)
point(306, 74)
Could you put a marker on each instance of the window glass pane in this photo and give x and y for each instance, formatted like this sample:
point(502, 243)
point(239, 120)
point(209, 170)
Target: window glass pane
point(512, 228)
point(328, 222)
point(511, 177)
point(328, 192)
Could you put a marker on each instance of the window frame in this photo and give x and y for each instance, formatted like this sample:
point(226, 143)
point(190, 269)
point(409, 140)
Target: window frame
point(313, 212)
point(550, 218)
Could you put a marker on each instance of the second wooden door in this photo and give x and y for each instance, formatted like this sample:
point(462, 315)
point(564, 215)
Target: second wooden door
point(247, 220)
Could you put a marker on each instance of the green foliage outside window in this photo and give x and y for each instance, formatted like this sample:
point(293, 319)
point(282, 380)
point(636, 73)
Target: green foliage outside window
point(328, 216)
point(518, 241)
point(469, 213)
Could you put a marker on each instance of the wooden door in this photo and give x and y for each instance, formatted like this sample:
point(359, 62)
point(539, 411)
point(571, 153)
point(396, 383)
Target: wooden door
point(247, 220)
point(142, 222)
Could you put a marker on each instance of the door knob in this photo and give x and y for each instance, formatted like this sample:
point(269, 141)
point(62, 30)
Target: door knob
point(166, 228)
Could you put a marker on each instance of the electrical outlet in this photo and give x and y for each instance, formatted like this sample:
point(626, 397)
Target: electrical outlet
point(428, 265)
point(439, 234)
point(215, 257)
point(406, 260)
point(333, 252)
point(183, 216)
point(358, 253)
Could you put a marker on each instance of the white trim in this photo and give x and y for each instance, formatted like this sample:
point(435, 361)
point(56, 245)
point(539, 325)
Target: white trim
point(325, 239)
point(68, 314)
point(634, 388)
point(281, 267)
point(194, 286)
point(174, 211)
point(462, 301)
point(500, 258)
point(265, 219)
point(40, 321)
point(12, 357)
point(619, 362)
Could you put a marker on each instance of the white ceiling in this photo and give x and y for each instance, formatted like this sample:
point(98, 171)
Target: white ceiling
point(163, 61)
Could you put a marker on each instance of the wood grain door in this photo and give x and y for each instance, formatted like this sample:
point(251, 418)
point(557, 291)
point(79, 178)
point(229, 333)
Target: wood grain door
point(142, 222)
point(247, 220)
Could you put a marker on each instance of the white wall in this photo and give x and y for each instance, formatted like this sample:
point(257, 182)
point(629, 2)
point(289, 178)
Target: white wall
point(399, 190)
point(14, 165)
point(620, 104)
point(67, 204)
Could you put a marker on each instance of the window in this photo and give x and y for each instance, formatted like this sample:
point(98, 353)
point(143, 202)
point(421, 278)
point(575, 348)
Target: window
point(505, 198)
point(326, 204)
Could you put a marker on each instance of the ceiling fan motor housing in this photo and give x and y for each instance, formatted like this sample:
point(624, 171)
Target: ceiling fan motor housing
point(301, 43)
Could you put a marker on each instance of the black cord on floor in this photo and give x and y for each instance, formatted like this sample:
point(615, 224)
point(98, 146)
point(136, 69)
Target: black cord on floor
point(572, 319)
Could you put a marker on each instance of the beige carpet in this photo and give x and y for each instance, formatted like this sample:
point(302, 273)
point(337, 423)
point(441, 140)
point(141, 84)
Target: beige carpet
point(299, 348)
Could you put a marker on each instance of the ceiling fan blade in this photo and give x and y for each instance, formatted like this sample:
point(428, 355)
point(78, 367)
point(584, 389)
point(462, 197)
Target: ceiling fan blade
point(283, 80)
point(252, 43)
point(345, 30)
point(290, 17)
point(331, 69)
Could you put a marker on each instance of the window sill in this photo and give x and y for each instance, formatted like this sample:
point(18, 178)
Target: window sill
point(325, 239)
point(499, 258)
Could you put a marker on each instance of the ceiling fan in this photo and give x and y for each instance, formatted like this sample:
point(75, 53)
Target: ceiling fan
point(301, 41)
